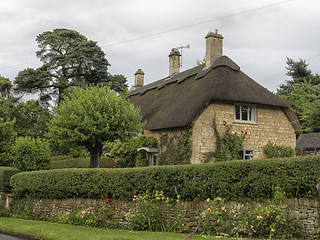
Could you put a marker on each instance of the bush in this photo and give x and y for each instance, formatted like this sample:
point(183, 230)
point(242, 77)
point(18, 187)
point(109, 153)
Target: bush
point(243, 180)
point(69, 162)
point(31, 154)
point(125, 152)
point(270, 221)
point(5, 175)
point(274, 151)
point(7, 138)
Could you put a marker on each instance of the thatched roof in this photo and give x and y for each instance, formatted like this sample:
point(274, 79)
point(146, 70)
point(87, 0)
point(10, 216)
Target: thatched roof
point(178, 100)
point(308, 140)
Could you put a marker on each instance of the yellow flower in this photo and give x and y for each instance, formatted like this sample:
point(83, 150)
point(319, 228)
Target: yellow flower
point(219, 199)
point(218, 221)
point(259, 217)
point(223, 208)
point(209, 209)
point(208, 200)
point(272, 230)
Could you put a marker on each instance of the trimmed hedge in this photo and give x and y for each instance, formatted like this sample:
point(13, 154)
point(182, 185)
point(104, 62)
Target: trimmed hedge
point(5, 175)
point(233, 180)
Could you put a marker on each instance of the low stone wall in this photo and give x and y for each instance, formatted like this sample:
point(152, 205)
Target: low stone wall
point(304, 211)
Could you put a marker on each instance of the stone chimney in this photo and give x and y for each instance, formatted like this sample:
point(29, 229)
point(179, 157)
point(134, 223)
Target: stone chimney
point(138, 79)
point(213, 47)
point(174, 61)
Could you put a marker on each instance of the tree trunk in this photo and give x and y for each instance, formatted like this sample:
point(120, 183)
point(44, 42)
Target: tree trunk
point(95, 154)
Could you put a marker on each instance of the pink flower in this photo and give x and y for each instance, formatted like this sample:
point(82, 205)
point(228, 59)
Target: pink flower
point(175, 190)
point(94, 209)
point(134, 200)
point(179, 231)
point(317, 187)
point(245, 133)
point(114, 166)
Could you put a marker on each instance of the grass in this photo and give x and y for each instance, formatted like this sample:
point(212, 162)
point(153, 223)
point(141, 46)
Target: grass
point(58, 231)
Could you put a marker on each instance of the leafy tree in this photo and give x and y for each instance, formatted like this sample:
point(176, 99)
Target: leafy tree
point(304, 100)
point(91, 116)
point(69, 60)
point(32, 119)
point(5, 87)
point(298, 71)
point(7, 139)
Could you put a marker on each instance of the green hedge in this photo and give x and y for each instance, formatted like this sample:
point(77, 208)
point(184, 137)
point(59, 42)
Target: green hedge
point(70, 162)
point(234, 180)
point(5, 175)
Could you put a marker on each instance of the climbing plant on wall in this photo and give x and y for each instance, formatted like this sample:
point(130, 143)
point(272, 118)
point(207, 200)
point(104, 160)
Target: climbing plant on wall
point(228, 145)
point(176, 150)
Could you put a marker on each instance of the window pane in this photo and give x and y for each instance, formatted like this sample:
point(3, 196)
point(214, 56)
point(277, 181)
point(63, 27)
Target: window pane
point(237, 112)
point(244, 113)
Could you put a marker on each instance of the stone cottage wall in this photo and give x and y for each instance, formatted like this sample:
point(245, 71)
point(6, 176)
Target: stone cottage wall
point(271, 125)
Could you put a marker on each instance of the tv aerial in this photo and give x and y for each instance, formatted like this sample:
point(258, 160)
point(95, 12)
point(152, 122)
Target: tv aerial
point(181, 48)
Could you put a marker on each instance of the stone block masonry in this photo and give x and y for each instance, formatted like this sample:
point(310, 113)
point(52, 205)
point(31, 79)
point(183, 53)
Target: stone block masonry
point(304, 211)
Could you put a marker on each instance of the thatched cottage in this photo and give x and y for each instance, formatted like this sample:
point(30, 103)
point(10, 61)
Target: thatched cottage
point(217, 90)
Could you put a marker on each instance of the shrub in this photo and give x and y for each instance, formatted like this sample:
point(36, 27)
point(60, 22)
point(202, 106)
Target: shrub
point(274, 151)
point(31, 154)
point(5, 175)
point(153, 212)
point(270, 221)
point(7, 138)
point(125, 152)
point(233, 180)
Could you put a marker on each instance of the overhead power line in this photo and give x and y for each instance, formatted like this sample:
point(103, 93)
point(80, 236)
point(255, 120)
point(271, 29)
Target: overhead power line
point(196, 24)
point(175, 29)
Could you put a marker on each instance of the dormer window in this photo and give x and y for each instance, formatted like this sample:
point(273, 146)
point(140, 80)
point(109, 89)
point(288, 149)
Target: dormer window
point(245, 112)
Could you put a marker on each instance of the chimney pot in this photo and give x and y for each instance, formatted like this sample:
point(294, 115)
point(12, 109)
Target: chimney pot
point(138, 79)
point(214, 47)
point(174, 61)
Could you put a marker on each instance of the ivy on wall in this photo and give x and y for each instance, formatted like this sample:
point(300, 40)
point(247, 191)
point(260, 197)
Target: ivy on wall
point(228, 145)
point(176, 150)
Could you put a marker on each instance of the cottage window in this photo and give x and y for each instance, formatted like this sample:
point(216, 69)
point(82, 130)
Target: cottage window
point(244, 112)
point(246, 154)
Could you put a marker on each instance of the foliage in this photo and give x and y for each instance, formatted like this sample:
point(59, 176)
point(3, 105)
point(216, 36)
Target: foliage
point(89, 117)
point(304, 99)
point(31, 154)
point(7, 140)
point(5, 87)
point(153, 212)
point(32, 119)
point(5, 175)
point(91, 217)
point(299, 73)
point(243, 180)
point(125, 152)
point(274, 151)
point(105, 162)
point(229, 145)
point(270, 221)
point(176, 149)
point(69, 60)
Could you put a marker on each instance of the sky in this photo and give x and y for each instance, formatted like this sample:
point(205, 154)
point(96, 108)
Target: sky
point(139, 34)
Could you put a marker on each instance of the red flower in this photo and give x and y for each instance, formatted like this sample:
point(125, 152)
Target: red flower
point(114, 166)
point(179, 231)
point(109, 201)
point(94, 209)
point(246, 133)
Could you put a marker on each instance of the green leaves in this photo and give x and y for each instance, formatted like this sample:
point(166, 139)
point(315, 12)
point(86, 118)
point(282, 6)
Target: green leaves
point(91, 116)
point(69, 60)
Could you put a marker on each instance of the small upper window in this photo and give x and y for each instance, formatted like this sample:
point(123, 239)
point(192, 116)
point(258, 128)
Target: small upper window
point(246, 154)
point(244, 112)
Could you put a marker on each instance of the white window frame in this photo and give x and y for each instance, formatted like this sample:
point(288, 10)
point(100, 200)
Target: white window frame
point(247, 154)
point(249, 108)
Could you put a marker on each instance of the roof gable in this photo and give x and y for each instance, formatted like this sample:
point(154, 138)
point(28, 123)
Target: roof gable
point(176, 101)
